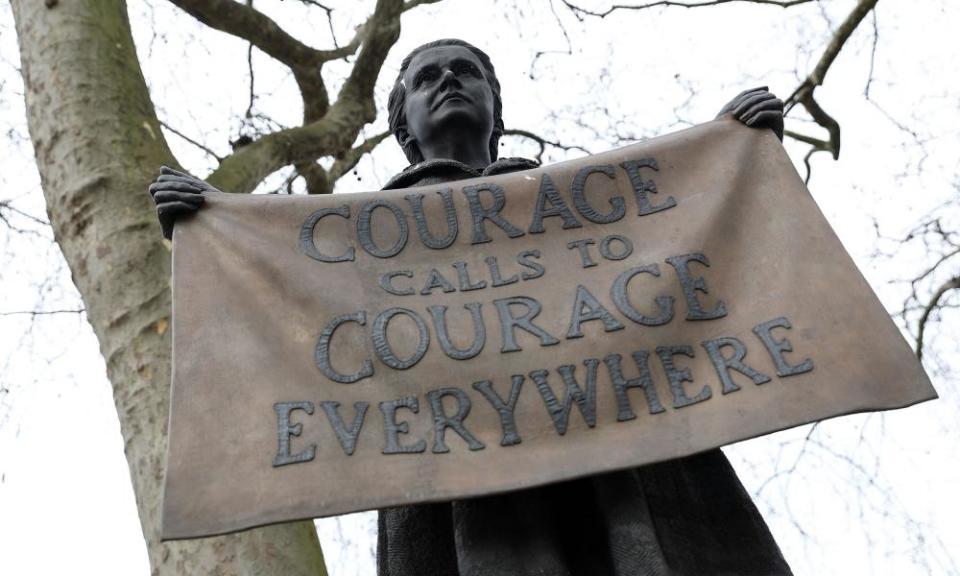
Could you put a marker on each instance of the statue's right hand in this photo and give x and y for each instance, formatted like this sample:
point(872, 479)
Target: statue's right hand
point(176, 194)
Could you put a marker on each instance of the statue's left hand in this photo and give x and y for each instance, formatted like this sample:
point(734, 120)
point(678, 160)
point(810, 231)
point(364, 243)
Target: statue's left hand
point(757, 108)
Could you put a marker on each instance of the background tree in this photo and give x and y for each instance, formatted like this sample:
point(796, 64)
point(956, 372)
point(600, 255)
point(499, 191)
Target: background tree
point(299, 114)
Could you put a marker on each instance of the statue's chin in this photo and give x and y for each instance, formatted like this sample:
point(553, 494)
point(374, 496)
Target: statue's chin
point(462, 117)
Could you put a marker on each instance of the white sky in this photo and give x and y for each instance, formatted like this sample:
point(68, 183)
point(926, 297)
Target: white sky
point(871, 494)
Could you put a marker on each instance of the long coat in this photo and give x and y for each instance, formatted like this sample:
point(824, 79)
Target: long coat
point(684, 517)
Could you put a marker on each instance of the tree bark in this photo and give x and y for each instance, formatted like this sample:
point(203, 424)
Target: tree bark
point(98, 144)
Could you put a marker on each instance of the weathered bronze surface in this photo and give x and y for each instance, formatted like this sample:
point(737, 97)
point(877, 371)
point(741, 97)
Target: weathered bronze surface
point(408, 373)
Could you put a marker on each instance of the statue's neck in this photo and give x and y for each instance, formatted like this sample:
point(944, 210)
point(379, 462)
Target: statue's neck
point(455, 145)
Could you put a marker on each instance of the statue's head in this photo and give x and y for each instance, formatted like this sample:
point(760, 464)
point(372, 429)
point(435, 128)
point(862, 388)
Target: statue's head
point(421, 101)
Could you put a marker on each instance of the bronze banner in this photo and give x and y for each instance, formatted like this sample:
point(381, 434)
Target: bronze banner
point(354, 351)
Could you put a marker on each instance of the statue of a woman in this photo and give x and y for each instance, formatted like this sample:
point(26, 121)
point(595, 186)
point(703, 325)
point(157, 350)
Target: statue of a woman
point(684, 517)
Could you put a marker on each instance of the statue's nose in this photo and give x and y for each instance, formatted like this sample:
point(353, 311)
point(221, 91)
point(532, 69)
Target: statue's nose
point(448, 77)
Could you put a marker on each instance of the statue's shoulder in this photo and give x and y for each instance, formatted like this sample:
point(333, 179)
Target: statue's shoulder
point(513, 164)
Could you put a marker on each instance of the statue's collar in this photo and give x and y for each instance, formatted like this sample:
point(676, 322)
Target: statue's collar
point(442, 170)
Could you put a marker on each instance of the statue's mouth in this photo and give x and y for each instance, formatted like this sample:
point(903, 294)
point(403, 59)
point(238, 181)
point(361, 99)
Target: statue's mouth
point(451, 96)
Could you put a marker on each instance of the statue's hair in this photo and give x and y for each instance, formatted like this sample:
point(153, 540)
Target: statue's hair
point(395, 104)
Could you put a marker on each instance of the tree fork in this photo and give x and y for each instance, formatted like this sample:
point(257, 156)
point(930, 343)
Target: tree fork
point(98, 143)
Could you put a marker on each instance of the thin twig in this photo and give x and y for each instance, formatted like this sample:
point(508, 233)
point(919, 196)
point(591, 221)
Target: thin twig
point(566, 37)
point(5, 205)
point(579, 11)
point(543, 142)
point(329, 11)
point(951, 284)
point(249, 112)
point(873, 56)
point(191, 140)
point(34, 313)
point(804, 93)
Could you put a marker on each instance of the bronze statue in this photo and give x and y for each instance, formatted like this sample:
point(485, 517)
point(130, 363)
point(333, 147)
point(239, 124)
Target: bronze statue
point(689, 516)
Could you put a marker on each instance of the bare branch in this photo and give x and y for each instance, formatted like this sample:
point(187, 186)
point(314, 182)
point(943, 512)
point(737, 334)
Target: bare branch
point(351, 47)
point(329, 11)
point(804, 93)
point(252, 95)
point(315, 177)
point(250, 164)
point(244, 21)
point(381, 31)
point(796, 461)
point(347, 162)
point(35, 313)
point(933, 267)
point(540, 53)
point(816, 145)
point(196, 143)
point(6, 205)
point(932, 304)
point(332, 133)
point(542, 142)
point(411, 4)
point(833, 48)
point(812, 141)
point(580, 12)
point(327, 130)
point(806, 163)
point(873, 55)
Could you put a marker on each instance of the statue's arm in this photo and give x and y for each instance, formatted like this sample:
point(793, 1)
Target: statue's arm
point(176, 194)
point(757, 108)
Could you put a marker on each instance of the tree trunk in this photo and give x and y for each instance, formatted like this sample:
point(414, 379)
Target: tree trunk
point(98, 144)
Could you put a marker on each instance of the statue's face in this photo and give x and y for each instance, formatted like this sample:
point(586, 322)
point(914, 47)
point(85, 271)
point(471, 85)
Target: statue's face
point(446, 89)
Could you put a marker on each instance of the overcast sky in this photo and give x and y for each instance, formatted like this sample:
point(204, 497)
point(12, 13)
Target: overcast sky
point(868, 494)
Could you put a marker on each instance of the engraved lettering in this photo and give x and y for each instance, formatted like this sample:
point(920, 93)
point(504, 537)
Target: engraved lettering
point(644, 381)
point(548, 193)
point(450, 216)
point(643, 188)
point(724, 364)
point(382, 347)
point(778, 347)
point(286, 430)
point(586, 307)
point(393, 429)
point(617, 204)
point(677, 376)
point(478, 213)
point(463, 277)
point(505, 409)
point(346, 436)
point(365, 233)
point(626, 247)
point(525, 322)
point(441, 421)
point(693, 285)
point(386, 282)
point(495, 276)
point(322, 352)
point(439, 315)
point(621, 298)
point(436, 280)
point(524, 259)
point(586, 400)
point(581, 245)
point(307, 245)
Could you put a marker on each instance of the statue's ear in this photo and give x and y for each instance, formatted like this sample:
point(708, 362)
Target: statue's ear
point(403, 137)
point(409, 145)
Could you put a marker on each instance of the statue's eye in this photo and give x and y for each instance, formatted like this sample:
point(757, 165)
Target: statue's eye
point(466, 68)
point(426, 75)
